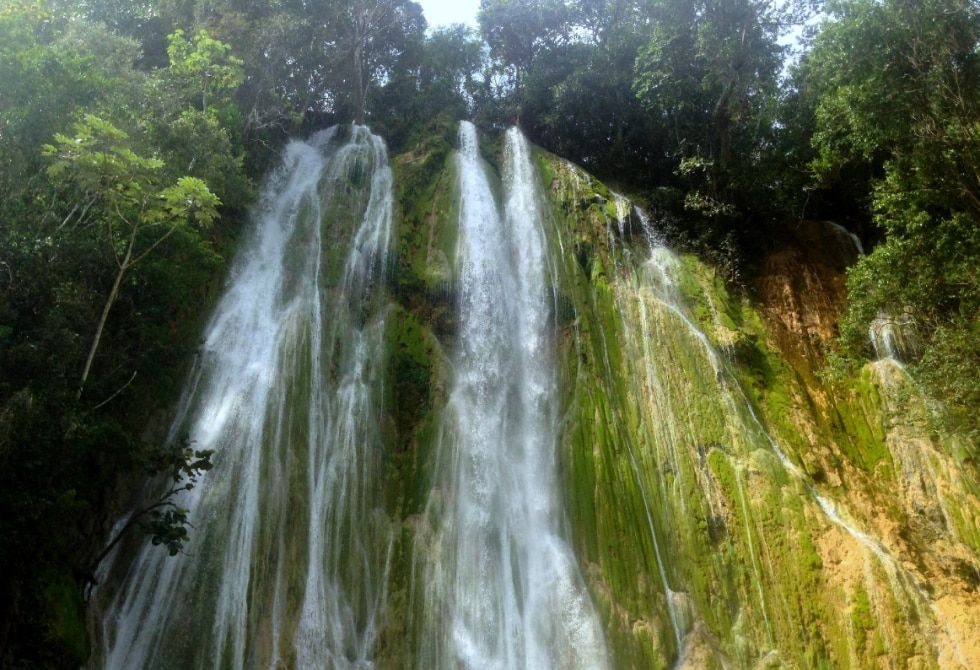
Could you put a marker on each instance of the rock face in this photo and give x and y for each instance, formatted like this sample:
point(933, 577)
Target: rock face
point(729, 507)
point(801, 290)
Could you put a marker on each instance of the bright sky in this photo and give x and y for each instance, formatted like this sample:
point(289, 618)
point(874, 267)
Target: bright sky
point(444, 12)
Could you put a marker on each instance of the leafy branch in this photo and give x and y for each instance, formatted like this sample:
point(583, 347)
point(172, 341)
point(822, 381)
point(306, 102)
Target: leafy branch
point(163, 520)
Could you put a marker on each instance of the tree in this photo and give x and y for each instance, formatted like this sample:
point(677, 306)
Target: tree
point(709, 70)
point(374, 34)
point(135, 212)
point(70, 462)
point(441, 78)
point(520, 31)
point(205, 66)
point(49, 69)
point(898, 101)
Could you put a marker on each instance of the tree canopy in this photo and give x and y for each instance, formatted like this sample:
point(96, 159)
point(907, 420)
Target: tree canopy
point(898, 102)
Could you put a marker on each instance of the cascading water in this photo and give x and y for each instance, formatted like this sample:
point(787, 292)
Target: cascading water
point(501, 586)
point(893, 337)
point(662, 272)
point(705, 542)
point(666, 412)
point(289, 554)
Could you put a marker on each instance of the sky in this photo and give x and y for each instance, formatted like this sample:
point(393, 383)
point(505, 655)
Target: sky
point(440, 13)
point(444, 12)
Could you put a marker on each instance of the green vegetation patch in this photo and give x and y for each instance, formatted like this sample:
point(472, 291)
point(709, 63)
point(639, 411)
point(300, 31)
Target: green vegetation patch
point(410, 351)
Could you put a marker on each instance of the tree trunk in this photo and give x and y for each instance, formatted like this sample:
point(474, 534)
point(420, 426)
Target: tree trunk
point(113, 294)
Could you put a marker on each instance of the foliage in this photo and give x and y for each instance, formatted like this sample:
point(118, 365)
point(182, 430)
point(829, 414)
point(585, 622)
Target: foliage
point(709, 73)
point(204, 66)
point(710, 69)
point(519, 32)
point(49, 68)
point(163, 520)
point(115, 186)
point(439, 78)
point(898, 91)
point(114, 215)
point(309, 63)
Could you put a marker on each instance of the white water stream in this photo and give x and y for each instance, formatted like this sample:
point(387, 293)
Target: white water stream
point(664, 265)
point(289, 550)
point(502, 587)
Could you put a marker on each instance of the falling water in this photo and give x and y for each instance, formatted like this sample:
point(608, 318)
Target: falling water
point(289, 555)
point(893, 337)
point(850, 242)
point(502, 587)
point(664, 267)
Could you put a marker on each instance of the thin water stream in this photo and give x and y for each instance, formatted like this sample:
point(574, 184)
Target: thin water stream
point(663, 262)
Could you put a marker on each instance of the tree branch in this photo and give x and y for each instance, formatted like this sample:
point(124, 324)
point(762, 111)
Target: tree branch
point(136, 516)
point(120, 390)
point(153, 246)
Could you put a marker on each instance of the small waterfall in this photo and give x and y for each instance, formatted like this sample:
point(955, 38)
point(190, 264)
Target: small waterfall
point(893, 337)
point(289, 554)
point(849, 242)
point(502, 587)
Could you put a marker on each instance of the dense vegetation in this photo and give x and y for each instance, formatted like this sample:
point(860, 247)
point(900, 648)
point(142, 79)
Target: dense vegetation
point(131, 134)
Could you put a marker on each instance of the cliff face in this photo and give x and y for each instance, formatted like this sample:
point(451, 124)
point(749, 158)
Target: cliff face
point(726, 503)
point(920, 499)
point(729, 506)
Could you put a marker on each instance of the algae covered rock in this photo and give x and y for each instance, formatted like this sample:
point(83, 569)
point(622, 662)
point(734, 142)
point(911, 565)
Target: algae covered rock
point(729, 504)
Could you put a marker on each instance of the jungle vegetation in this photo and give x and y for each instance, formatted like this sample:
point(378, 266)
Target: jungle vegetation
point(133, 133)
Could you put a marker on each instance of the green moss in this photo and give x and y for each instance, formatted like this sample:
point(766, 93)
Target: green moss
point(723, 472)
point(610, 211)
point(693, 292)
point(857, 422)
point(545, 168)
point(862, 619)
point(600, 189)
point(809, 557)
point(426, 191)
point(393, 649)
point(65, 617)
point(410, 350)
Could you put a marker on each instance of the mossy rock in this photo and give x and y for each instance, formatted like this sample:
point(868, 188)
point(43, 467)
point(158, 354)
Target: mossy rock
point(411, 351)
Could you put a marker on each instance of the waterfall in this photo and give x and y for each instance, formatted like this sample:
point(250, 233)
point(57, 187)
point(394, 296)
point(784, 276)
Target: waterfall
point(468, 407)
point(565, 375)
point(502, 587)
point(289, 552)
point(893, 337)
point(663, 272)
